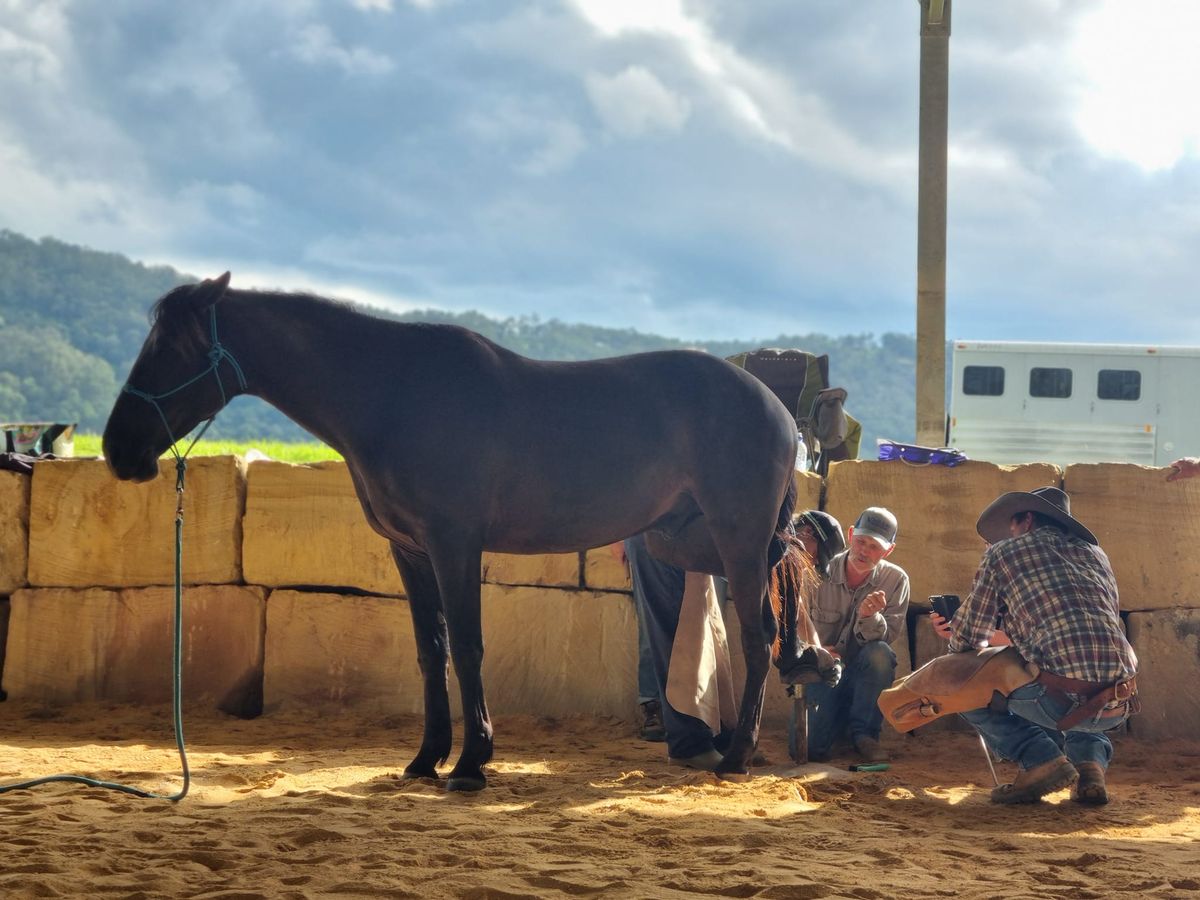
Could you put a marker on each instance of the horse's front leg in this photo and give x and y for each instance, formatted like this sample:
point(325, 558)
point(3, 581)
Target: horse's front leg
point(429, 628)
point(456, 562)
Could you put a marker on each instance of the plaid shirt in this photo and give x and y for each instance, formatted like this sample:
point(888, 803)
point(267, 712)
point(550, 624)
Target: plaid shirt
point(1055, 596)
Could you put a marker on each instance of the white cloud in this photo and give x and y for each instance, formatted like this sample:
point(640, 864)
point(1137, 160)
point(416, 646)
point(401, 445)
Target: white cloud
point(1142, 76)
point(124, 215)
point(612, 17)
point(536, 143)
point(561, 143)
point(634, 102)
point(27, 60)
point(316, 44)
point(758, 100)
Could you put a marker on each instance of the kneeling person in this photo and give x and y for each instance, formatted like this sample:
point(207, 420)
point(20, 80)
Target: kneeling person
point(1045, 586)
point(858, 610)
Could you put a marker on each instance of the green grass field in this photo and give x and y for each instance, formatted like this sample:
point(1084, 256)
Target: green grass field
point(89, 445)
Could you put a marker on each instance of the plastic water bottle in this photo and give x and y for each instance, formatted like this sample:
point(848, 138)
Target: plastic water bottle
point(801, 453)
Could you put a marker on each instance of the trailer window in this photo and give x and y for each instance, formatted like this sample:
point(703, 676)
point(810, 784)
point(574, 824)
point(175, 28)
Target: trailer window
point(985, 381)
point(1049, 382)
point(1119, 384)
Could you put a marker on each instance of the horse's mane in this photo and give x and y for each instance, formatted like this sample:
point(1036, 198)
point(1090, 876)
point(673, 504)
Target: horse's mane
point(173, 321)
point(173, 318)
point(179, 326)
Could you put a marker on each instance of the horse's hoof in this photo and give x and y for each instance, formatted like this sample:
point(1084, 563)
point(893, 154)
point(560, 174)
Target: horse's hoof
point(420, 776)
point(466, 783)
point(734, 777)
point(420, 770)
point(813, 666)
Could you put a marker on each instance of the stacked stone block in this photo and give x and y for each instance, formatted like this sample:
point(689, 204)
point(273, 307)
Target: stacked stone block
point(291, 598)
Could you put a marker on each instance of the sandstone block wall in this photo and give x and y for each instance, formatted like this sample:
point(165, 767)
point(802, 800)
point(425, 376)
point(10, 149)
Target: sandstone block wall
point(86, 529)
point(5, 611)
point(1167, 643)
point(602, 571)
point(297, 600)
point(304, 526)
point(67, 645)
point(14, 530)
point(546, 651)
point(325, 649)
point(1149, 527)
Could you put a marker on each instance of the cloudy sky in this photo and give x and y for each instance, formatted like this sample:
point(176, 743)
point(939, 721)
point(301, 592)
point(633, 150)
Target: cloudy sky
point(696, 168)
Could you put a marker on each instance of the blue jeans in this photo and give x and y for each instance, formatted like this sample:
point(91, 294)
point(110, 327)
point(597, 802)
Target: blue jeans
point(647, 684)
point(1027, 734)
point(854, 700)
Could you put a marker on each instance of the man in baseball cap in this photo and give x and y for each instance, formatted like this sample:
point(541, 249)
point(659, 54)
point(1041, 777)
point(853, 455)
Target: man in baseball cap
point(858, 611)
point(879, 524)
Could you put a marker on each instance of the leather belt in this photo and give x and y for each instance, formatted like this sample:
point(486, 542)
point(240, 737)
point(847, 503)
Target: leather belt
point(1104, 700)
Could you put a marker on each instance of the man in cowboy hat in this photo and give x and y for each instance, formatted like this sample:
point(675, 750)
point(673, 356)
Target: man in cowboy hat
point(1045, 585)
point(858, 610)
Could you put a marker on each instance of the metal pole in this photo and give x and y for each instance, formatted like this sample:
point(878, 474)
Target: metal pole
point(987, 754)
point(931, 223)
point(798, 727)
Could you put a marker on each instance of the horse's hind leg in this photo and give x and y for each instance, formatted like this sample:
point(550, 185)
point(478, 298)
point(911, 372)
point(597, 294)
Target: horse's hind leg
point(457, 565)
point(746, 570)
point(429, 626)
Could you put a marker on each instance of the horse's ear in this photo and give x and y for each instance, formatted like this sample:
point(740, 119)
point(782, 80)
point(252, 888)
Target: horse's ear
point(210, 290)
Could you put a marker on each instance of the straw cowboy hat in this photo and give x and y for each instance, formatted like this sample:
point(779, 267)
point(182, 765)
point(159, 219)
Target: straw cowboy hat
point(1049, 501)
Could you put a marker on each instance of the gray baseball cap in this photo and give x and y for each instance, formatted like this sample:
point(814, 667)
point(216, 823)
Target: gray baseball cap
point(879, 524)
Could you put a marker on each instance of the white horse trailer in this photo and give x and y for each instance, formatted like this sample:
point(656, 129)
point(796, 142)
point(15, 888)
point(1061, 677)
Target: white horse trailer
point(1064, 403)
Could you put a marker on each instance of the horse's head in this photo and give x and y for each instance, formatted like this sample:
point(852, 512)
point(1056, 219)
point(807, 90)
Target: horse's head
point(174, 383)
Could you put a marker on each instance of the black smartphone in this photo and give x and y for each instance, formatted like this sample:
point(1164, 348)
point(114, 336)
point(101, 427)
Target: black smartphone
point(945, 605)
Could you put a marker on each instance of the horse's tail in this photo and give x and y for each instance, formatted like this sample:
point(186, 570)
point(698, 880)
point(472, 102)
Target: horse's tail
point(796, 649)
point(785, 532)
point(793, 578)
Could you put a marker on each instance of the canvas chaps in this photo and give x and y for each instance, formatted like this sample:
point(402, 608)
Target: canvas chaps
point(960, 682)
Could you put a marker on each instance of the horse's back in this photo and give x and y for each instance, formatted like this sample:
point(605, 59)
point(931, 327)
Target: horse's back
point(564, 455)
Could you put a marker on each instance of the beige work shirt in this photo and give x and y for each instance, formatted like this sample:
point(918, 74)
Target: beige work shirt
point(834, 607)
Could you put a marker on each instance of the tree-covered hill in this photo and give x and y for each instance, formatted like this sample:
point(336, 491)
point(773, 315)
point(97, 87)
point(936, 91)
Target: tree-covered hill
point(72, 320)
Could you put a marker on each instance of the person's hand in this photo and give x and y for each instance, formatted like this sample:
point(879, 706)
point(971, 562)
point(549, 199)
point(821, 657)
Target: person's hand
point(874, 602)
point(618, 552)
point(999, 639)
point(1187, 467)
point(941, 625)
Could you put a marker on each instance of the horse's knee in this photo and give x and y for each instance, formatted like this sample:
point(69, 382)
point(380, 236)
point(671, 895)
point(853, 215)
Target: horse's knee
point(433, 665)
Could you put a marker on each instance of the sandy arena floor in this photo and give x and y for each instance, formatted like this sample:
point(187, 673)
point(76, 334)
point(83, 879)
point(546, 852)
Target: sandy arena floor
point(290, 806)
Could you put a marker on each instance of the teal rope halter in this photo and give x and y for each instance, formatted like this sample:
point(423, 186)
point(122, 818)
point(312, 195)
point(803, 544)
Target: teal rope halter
point(215, 355)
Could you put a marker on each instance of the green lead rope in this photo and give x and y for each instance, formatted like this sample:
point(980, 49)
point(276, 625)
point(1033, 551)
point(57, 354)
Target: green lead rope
point(216, 354)
point(177, 668)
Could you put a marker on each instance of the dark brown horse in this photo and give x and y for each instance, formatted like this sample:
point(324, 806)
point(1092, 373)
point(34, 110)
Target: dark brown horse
point(456, 446)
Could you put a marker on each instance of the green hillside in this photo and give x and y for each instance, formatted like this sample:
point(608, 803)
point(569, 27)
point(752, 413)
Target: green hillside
point(73, 319)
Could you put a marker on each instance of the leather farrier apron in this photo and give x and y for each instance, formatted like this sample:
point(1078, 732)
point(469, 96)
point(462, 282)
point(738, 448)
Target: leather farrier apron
point(954, 683)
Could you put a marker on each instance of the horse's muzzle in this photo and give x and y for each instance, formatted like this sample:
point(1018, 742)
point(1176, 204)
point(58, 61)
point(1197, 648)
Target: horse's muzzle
point(142, 467)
